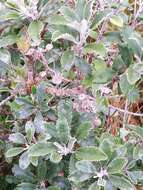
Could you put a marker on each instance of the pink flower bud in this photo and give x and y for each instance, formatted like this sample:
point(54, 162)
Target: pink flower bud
point(106, 90)
point(49, 47)
point(96, 122)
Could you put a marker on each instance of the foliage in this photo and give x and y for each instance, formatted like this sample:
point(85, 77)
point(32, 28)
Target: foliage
point(71, 94)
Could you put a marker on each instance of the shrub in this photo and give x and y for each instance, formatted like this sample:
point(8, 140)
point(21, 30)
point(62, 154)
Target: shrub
point(70, 91)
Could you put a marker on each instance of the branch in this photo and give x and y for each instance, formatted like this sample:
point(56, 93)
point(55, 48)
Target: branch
point(30, 71)
point(14, 93)
point(7, 99)
point(65, 92)
point(125, 111)
point(101, 31)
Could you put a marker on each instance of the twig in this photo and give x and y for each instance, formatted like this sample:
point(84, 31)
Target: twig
point(137, 12)
point(102, 30)
point(7, 99)
point(4, 80)
point(104, 24)
point(48, 69)
point(135, 8)
point(45, 63)
point(14, 93)
point(65, 92)
point(127, 112)
point(30, 71)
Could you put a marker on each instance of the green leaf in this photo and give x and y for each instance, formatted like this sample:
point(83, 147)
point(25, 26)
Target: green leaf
point(50, 129)
point(94, 186)
point(98, 49)
point(14, 151)
point(117, 21)
point(101, 72)
point(4, 89)
point(33, 89)
point(126, 54)
point(130, 91)
point(135, 176)
point(55, 157)
point(138, 68)
point(132, 75)
point(14, 3)
point(26, 175)
point(107, 147)
point(90, 153)
point(133, 95)
point(5, 60)
point(85, 166)
point(121, 182)
point(122, 150)
point(25, 111)
point(5, 56)
point(67, 60)
point(109, 186)
point(116, 165)
point(99, 17)
point(87, 11)
point(26, 186)
point(17, 138)
point(42, 170)
point(136, 46)
point(7, 40)
point(137, 153)
point(65, 110)
point(119, 65)
point(34, 160)
point(12, 15)
point(99, 65)
point(79, 177)
point(79, 8)
point(30, 130)
point(24, 161)
point(125, 85)
point(63, 130)
point(53, 188)
point(58, 20)
point(137, 130)
point(93, 34)
point(82, 65)
point(34, 30)
point(41, 149)
point(59, 35)
point(83, 130)
point(69, 14)
point(39, 123)
point(41, 95)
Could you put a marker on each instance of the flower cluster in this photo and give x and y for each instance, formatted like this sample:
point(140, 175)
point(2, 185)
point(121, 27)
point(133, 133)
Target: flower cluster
point(85, 103)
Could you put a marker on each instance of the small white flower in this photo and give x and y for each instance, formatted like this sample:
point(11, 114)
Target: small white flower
point(82, 96)
point(57, 78)
point(65, 150)
point(49, 47)
point(102, 173)
point(42, 74)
